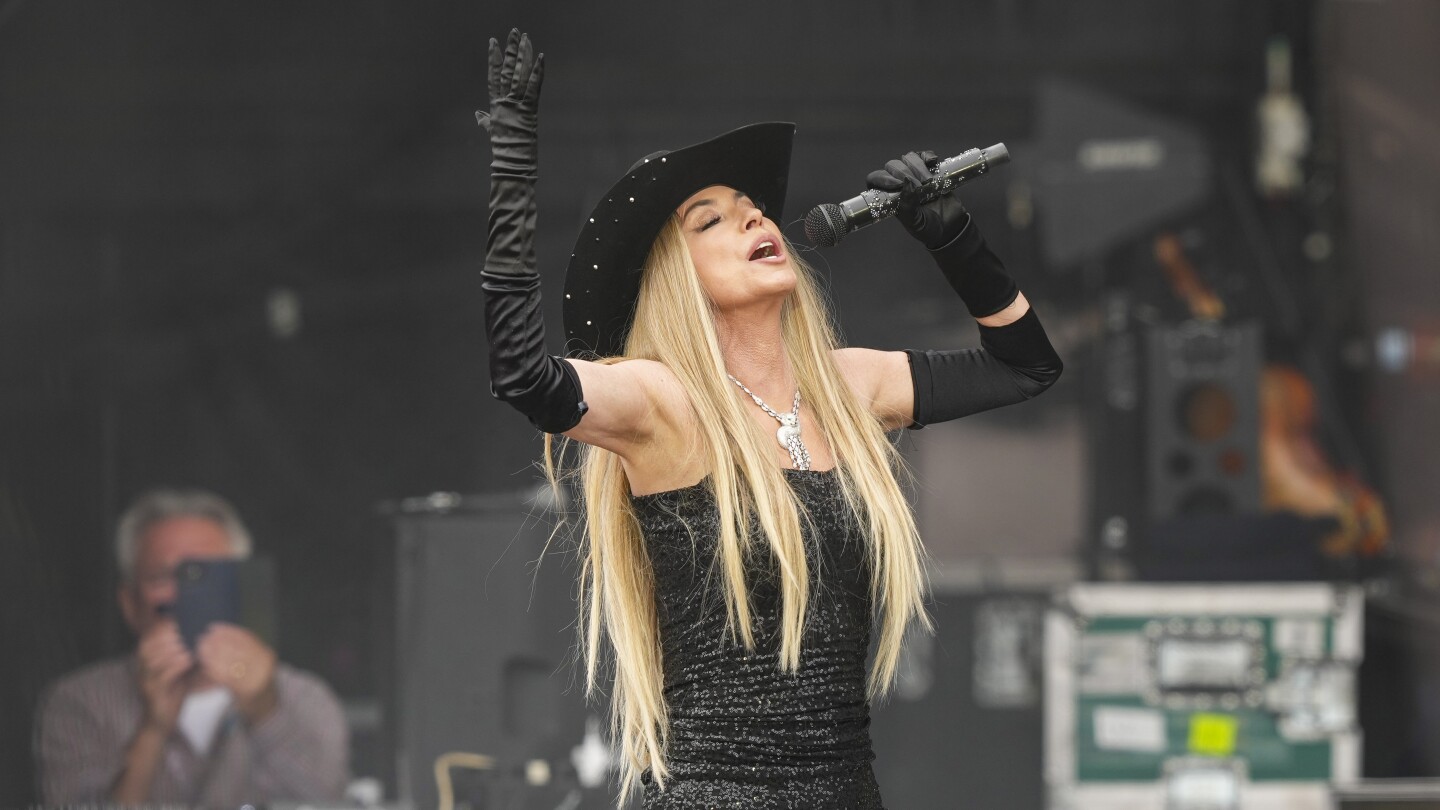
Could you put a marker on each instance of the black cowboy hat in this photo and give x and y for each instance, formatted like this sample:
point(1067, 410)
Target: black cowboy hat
point(603, 278)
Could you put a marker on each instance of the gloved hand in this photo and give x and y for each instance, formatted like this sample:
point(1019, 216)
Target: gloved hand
point(513, 119)
point(943, 226)
point(513, 122)
point(543, 387)
point(935, 223)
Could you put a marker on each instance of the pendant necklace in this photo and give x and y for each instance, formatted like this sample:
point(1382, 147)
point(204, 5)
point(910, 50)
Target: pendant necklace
point(788, 433)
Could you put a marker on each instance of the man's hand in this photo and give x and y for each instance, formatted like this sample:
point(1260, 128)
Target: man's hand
point(238, 660)
point(164, 668)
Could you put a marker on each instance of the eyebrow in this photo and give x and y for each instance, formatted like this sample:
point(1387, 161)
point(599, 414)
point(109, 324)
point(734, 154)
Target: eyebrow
point(684, 215)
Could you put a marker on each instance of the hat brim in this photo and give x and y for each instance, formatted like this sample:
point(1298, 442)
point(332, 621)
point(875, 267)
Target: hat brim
point(602, 280)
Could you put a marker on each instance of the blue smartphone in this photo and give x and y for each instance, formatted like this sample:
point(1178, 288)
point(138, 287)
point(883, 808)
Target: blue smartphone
point(206, 591)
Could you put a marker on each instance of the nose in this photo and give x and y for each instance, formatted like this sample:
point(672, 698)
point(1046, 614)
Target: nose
point(159, 590)
point(753, 216)
point(163, 595)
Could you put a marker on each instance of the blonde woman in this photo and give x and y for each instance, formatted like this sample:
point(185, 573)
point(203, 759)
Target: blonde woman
point(745, 529)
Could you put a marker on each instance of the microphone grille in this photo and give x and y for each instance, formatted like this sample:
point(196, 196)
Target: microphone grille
point(825, 224)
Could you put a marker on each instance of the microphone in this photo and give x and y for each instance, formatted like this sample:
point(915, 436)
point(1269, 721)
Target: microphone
point(828, 223)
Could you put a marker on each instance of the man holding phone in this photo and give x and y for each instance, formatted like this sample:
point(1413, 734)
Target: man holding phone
point(207, 718)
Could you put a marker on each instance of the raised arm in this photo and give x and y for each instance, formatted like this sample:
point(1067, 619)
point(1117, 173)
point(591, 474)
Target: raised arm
point(1015, 360)
point(555, 394)
point(542, 387)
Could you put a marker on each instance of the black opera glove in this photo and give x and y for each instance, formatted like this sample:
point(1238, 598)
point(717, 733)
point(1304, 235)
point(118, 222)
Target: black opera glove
point(544, 388)
point(513, 122)
point(944, 226)
point(1015, 362)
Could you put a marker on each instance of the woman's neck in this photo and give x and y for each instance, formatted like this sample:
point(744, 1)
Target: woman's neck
point(755, 355)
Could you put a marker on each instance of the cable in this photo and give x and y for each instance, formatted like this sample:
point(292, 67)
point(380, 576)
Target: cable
point(456, 759)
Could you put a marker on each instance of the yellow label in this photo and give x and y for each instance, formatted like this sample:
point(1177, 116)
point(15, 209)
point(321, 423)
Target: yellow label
point(1213, 734)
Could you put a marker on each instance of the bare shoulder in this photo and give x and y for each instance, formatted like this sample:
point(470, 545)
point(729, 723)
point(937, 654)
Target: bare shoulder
point(882, 382)
point(868, 370)
point(651, 378)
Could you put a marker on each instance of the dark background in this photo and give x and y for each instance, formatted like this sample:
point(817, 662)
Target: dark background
point(174, 176)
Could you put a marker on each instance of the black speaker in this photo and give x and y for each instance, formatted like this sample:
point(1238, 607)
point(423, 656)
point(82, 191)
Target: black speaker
point(1112, 382)
point(964, 725)
point(1202, 419)
point(484, 642)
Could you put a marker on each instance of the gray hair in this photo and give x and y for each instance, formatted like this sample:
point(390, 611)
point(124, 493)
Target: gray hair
point(162, 504)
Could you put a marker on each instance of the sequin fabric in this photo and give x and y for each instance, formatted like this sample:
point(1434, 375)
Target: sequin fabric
point(743, 734)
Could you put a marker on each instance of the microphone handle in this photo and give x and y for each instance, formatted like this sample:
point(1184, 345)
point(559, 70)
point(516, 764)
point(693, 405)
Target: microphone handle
point(874, 205)
point(827, 224)
point(967, 165)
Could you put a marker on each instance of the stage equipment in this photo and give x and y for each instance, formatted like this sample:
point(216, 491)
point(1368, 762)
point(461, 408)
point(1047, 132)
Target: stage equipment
point(485, 632)
point(963, 726)
point(1176, 409)
point(1283, 128)
point(1389, 794)
point(1175, 423)
point(1105, 172)
point(1181, 697)
point(1202, 428)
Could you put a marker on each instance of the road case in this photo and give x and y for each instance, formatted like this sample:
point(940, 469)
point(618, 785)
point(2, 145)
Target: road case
point(1201, 697)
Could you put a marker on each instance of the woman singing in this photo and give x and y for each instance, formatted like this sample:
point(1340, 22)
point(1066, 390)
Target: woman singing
point(744, 525)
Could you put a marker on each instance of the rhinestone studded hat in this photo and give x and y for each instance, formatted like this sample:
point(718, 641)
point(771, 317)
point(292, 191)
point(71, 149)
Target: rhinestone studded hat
point(602, 280)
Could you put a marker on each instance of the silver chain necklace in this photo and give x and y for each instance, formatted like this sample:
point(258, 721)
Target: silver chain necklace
point(789, 432)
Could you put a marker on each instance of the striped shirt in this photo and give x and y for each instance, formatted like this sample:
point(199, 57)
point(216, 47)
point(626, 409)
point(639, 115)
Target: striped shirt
point(88, 718)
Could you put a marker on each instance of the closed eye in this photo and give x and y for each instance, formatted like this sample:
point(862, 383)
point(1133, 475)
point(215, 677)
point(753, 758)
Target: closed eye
point(709, 223)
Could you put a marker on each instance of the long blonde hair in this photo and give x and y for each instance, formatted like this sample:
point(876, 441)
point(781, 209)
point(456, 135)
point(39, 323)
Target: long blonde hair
point(674, 325)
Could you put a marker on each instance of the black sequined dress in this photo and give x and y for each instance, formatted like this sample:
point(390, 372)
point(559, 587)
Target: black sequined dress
point(743, 734)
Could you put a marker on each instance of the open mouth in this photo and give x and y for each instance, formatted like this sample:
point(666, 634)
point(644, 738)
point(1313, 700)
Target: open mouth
point(765, 250)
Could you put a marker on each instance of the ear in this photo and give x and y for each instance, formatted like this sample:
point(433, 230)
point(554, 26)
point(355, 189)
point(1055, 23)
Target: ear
point(129, 603)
